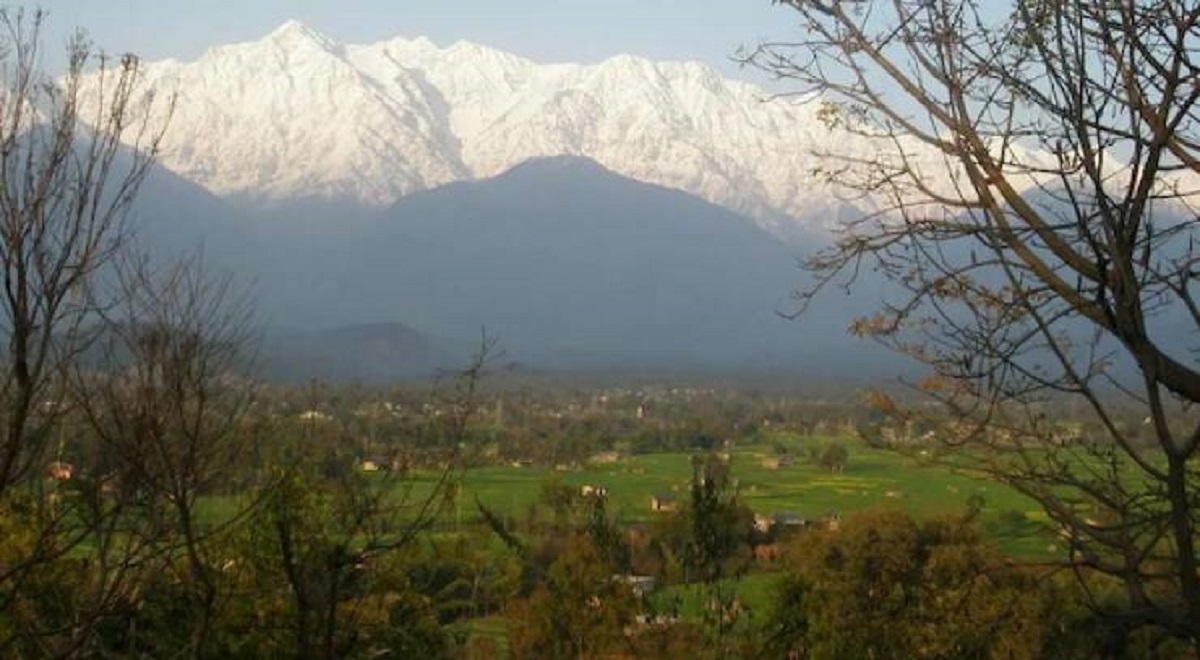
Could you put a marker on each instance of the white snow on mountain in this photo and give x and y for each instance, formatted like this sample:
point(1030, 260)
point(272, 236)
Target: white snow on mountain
point(295, 116)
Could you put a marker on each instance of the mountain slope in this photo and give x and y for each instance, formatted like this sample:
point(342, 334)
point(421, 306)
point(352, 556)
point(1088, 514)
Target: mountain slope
point(568, 264)
point(289, 118)
point(295, 116)
point(370, 352)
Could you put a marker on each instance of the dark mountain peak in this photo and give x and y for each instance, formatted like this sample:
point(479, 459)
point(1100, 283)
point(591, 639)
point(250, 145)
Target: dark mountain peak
point(558, 166)
point(567, 264)
point(577, 194)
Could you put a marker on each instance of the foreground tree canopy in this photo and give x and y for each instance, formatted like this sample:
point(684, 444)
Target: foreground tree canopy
point(1031, 196)
point(884, 587)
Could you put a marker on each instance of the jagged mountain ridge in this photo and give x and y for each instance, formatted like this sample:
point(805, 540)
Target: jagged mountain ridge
point(296, 116)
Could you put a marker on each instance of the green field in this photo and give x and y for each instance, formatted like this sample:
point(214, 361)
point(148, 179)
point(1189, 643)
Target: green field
point(873, 479)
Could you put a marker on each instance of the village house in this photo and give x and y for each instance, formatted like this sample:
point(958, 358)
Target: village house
point(314, 416)
point(589, 490)
point(788, 520)
point(664, 502)
point(639, 584)
point(779, 521)
point(776, 462)
point(605, 457)
point(368, 465)
point(60, 471)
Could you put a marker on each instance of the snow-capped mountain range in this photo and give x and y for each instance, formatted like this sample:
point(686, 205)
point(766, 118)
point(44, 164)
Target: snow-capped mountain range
point(296, 116)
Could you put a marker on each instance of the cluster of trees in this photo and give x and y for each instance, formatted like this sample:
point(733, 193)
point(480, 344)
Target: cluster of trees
point(886, 586)
point(577, 599)
point(880, 585)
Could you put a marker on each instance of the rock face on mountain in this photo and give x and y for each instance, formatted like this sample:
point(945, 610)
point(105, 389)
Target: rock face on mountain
point(297, 117)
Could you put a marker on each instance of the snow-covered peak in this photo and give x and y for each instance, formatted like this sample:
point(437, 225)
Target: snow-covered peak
point(630, 65)
point(406, 49)
point(292, 29)
point(292, 38)
point(296, 115)
point(469, 50)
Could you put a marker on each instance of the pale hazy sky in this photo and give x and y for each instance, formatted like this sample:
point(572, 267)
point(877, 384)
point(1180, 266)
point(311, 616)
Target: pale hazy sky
point(543, 30)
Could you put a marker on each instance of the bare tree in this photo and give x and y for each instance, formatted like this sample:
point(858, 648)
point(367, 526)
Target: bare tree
point(167, 402)
point(1032, 198)
point(325, 532)
point(66, 184)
